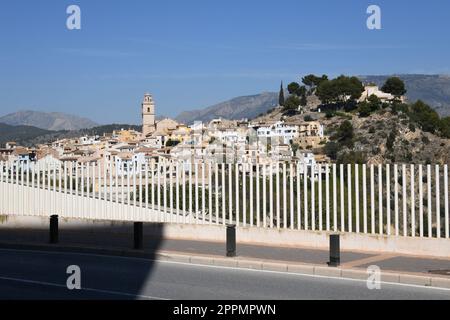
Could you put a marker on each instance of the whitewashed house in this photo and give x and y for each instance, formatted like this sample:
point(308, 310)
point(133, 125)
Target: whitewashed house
point(279, 130)
point(48, 162)
point(370, 90)
point(89, 140)
point(129, 163)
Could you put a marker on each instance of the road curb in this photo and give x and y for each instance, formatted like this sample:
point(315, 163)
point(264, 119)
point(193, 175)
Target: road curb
point(246, 263)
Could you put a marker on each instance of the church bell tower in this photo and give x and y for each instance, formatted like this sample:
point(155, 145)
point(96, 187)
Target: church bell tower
point(148, 115)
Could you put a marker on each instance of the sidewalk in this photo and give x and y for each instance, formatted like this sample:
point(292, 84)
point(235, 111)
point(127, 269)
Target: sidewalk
point(153, 247)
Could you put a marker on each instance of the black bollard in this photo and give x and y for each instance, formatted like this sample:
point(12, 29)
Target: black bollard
point(138, 235)
point(54, 228)
point(231, 240)
point(335, 251)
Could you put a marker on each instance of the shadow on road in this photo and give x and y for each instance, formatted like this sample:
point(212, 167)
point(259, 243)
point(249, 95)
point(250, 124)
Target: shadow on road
point(27, 257)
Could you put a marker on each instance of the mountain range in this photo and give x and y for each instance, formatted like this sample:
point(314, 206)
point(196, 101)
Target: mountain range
point(30, 136)
point(53, 121)
point(237, 108)
point(28, 125)
point(432, 89)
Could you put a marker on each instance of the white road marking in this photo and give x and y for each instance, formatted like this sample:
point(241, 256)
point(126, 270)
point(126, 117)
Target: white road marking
point(229, 268)
point(51, 284)
point(305, 275)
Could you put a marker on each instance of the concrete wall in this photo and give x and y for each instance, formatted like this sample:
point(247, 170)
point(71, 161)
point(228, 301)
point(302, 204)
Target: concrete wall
point(286, 238)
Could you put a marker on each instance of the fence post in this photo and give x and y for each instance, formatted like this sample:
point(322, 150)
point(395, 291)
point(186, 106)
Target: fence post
point(335, 254)
point(231, 240)
point(138, 235)
point(54, 229)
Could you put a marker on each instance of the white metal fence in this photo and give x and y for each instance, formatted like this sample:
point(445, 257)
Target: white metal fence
point(401, 200)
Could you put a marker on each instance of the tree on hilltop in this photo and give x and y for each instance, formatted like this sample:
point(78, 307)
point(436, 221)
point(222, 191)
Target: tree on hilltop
point(312, 81)
point(293, 87)
point(394, 86)
point(299, 91)
point(340, 90)
point(292, 103)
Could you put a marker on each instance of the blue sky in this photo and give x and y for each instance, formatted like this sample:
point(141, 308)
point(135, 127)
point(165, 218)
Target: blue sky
point(191, 54)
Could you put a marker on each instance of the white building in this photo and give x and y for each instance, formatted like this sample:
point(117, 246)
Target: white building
point(129, 163)
point(155, 141)
point(279, 130)
point(374, 90)
point(308, 160)
point(88, 140)
point(231, 135)
point(48, 162)
point(197, 130)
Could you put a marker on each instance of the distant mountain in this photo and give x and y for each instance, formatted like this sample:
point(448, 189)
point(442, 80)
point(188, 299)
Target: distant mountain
point(432, 89)
point(47, 120)
point(29, 136)
point(237, 108)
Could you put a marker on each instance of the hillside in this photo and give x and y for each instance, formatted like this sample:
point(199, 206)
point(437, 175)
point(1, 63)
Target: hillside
point(385, 136)
point(237, 108)
point(47, 120)
point(19, 134)
point(410, 144)
point(432, 89)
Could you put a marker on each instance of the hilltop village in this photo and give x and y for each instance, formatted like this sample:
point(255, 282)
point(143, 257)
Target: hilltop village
point(219, 140)
point(302, 128)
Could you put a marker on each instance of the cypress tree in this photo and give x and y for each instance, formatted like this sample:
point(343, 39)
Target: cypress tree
point(281, 95)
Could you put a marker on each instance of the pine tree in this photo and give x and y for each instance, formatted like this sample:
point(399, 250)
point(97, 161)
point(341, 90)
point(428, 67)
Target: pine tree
point(281, 95)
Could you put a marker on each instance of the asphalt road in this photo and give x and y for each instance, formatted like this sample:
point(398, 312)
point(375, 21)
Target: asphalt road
point(121, 238)
point(42, 275)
